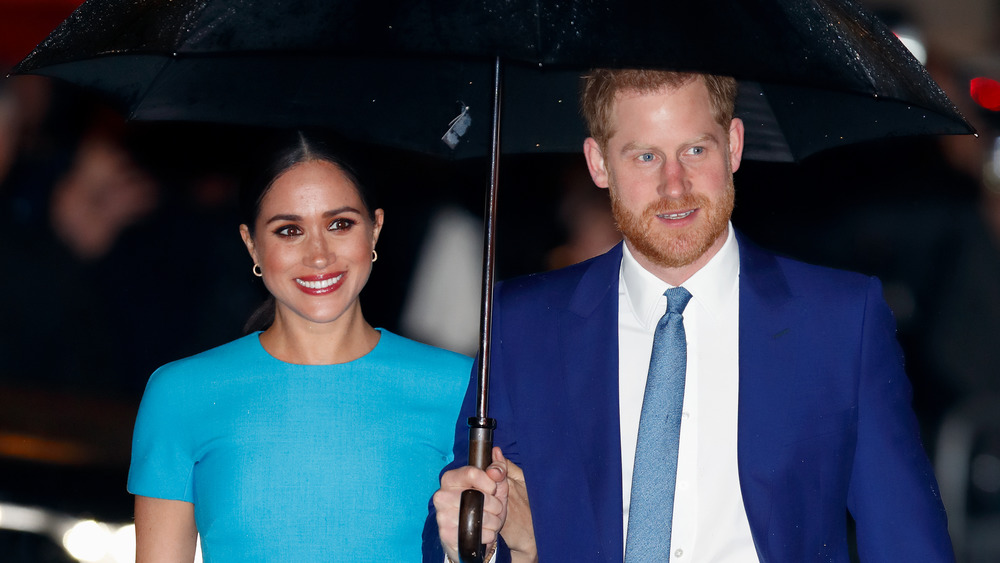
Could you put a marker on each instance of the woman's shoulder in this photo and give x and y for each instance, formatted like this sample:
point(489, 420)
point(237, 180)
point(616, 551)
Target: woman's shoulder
point(182, 382)
point(392, 345)
point(421, 373)
point(219, 360)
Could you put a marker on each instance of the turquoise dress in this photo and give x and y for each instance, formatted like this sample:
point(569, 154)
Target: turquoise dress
point(287, 462)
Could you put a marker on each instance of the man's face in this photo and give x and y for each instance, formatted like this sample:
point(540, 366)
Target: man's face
point(669, 166)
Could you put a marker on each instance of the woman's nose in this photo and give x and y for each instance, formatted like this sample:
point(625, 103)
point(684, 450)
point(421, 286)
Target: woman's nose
point(319, 253)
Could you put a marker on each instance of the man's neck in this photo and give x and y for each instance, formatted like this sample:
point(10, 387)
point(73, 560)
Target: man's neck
point(677, 276)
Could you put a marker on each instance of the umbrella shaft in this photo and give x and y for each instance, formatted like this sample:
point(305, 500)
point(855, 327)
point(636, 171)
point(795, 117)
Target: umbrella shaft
point(489, 252)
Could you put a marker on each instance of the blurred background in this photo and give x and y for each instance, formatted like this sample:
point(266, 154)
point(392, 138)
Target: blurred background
point(119, 252)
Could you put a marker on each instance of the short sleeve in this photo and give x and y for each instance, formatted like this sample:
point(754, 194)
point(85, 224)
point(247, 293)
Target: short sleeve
point(162, 449)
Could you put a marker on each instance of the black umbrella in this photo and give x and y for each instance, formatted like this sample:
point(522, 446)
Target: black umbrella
point(830, 74)
point(415, 73)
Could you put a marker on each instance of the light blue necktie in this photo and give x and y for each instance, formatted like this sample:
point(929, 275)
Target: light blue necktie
point(651, 507)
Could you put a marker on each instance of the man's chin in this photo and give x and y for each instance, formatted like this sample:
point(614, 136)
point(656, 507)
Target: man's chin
point(673, 253)
point(676, 249)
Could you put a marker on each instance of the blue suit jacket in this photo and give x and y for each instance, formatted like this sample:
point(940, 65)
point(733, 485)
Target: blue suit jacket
point(825, 423)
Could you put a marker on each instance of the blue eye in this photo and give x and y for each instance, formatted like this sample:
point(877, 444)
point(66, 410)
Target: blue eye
point(646, 157)
point(696, 150)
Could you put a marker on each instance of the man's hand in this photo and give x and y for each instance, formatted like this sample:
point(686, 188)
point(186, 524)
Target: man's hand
point(518, 532)
point(494, 485)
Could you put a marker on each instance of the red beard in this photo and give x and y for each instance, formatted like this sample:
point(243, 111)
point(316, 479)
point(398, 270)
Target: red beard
point(684, 246)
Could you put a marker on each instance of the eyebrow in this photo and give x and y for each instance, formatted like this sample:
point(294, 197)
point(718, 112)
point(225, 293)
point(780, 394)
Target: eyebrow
point(707, 137)
point(330, 213)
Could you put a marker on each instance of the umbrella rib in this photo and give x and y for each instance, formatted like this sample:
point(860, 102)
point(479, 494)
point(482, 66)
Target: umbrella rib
point(157, 78)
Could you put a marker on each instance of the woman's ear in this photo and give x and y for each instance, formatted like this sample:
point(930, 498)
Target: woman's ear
point(377, 225)
point(248, 241)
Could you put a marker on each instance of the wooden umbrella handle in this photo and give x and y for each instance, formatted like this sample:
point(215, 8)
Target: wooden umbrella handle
point(470, 511)
point(470, 527)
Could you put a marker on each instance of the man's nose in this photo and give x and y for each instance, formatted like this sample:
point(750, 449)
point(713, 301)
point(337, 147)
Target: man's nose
point(673, 181)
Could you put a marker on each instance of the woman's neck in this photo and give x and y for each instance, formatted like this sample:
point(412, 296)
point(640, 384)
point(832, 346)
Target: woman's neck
point(299, 341)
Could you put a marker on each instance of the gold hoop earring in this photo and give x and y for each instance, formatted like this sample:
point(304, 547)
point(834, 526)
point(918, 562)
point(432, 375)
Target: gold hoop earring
point(257, 271)
point(374, 255)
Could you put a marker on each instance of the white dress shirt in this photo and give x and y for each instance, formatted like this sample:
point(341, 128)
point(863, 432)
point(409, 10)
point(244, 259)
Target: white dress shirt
point(710, 523)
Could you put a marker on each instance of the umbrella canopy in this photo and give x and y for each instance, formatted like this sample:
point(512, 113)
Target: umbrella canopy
point(814, 73)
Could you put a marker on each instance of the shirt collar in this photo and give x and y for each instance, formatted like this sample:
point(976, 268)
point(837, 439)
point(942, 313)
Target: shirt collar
point(712, 286)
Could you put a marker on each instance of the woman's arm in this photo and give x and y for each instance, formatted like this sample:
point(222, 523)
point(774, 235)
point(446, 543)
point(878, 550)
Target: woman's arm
point(165, 531)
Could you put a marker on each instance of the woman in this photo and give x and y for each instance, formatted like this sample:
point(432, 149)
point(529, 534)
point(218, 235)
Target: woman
point(319, 438)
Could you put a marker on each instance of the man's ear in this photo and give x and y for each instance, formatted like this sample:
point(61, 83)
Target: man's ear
point(595, 162)
point(736, 132)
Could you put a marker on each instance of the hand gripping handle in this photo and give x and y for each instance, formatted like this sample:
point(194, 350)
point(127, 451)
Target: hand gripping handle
point(470, 512)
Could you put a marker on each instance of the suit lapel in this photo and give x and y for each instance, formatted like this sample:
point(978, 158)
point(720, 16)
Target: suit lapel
point(766, 317)
point(590, 353)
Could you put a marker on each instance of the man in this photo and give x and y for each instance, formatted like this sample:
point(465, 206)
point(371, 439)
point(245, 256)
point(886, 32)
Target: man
point(795, 403)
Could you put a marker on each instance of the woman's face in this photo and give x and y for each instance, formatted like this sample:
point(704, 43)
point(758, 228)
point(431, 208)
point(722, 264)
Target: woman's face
point(313, 240)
